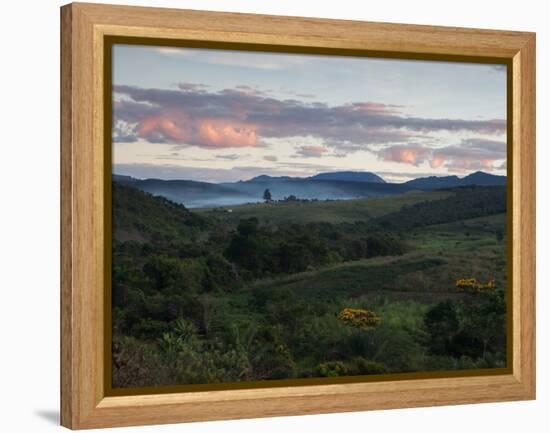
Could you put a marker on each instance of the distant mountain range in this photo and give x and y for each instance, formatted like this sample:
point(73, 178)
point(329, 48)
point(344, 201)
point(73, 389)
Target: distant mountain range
point(345, 176)
point(436, 182)
point(332, 186)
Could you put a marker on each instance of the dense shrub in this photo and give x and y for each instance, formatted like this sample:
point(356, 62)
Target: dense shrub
point(202, 300)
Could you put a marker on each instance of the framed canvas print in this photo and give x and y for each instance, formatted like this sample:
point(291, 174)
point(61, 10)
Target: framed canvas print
point(270, 216)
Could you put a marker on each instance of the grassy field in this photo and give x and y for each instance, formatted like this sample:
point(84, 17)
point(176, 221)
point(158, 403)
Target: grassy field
point(321, 211)
point(439, 255)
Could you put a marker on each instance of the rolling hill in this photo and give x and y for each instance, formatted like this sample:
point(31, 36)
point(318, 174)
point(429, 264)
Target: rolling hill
point(188, 192)
point(437, 182)
point(349, 176)
point(139, 216)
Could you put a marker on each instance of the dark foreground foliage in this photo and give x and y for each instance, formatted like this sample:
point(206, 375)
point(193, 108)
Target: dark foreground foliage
point(204, 300)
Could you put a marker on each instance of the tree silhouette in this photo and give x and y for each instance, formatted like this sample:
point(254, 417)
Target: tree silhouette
point(267, 195)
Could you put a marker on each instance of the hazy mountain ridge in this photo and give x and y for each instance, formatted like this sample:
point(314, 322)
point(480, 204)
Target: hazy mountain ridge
point(343, 176)
point(323, 186)
point(349, 176)
point(437, 182)
point(188, 192)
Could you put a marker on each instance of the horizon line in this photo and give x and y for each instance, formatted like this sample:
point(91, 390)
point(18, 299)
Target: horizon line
point(310, 176)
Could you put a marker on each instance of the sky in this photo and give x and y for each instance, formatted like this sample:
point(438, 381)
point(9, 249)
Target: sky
point(224, 116)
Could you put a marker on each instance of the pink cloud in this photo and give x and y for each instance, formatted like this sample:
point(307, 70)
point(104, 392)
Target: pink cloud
point(464, 165)
point(222, 133)
point(244, 116)
point(178, 127)
point(470, 154)
point(437, 161)
point(413, 155)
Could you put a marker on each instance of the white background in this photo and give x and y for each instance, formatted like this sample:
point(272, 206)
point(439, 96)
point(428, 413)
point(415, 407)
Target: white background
point(29, 229)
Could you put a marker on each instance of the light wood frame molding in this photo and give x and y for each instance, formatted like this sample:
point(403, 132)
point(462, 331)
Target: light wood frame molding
point(84, 403)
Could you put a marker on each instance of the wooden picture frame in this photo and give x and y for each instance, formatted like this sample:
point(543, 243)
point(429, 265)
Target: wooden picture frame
point(85, 400)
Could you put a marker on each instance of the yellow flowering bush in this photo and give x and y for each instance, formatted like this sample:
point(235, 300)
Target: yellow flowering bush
point(473, 286)
point(362, 319)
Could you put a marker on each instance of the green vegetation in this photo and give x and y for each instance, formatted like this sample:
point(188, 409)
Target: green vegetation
point(307, 288)
point(330, 211)
point(466, 202)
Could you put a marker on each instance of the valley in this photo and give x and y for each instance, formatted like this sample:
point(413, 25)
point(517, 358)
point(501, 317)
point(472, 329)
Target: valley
point(257, 291)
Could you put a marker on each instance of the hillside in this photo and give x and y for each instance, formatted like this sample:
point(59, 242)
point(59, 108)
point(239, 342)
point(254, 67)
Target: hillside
point(465, 203)
point(438, 182)
point(139, 216)
point(203, 194)
point(349, 176)
point(188, 192)
point(320, 189)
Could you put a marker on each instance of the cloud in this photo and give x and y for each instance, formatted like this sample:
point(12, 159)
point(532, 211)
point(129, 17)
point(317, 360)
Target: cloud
point(178, 127)
point(231, 157)
point(124, 132)
point(470, 154)
point(311, 151)
point(413, 155)
point(216, 175)
point(245, 117)
point(403, 176)
point(193, 87)
point(253, 91)
point(307, 168)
